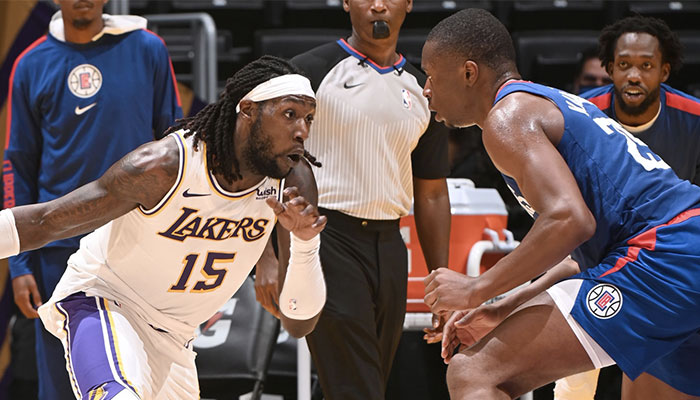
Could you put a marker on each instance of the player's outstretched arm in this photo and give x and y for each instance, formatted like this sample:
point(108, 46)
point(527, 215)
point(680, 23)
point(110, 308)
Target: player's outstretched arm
point(303, 293)
point(142, 177)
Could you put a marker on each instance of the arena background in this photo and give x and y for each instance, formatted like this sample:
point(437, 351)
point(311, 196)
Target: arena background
point(548, 35)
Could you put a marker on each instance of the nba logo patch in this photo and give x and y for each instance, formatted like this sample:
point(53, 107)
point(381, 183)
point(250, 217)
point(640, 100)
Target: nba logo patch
point(406, 99)
point(604, 301)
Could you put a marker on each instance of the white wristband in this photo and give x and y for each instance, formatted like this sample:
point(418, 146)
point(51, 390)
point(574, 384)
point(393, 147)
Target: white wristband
point(9, 238)
point(304, 291)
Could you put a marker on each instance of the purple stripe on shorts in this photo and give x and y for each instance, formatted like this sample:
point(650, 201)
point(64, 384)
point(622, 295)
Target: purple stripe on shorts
point(113, 344)
point(90, 357)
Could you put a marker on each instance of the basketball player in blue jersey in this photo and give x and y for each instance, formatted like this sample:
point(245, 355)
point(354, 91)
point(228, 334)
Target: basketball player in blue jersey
point(180, 222)
point(597, 193)
point(639, 53)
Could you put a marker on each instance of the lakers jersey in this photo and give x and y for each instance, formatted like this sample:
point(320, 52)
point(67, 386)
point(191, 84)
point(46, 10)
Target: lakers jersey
point(180, 261)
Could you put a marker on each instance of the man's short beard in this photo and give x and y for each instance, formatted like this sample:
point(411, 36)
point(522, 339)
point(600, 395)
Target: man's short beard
point(81, 23)
point(642, 107)
point(258, 153)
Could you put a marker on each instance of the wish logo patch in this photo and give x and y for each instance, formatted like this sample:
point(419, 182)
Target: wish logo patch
point(263, 193)
point(604, 301)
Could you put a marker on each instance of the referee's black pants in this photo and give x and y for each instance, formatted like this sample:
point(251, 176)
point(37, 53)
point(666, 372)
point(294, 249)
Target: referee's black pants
point(365, 266)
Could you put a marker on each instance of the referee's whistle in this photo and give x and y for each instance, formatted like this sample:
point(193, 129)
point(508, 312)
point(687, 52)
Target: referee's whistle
point(380, 30)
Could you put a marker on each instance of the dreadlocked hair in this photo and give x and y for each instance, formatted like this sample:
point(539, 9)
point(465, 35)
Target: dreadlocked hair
point(215, 123)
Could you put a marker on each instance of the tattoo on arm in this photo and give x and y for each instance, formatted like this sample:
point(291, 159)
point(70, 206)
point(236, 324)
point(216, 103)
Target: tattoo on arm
point(142, 177)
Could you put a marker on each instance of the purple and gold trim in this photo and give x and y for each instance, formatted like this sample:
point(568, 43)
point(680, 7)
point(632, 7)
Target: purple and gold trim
point(113, 344)
point(92, 349)
point(180, 177)
point(216, 188)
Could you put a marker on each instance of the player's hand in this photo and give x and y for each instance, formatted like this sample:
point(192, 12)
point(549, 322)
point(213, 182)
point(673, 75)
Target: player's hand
point(297, 215)
point(467, 327)
point(447, 290)
point(266, 281)
point(25, 290)
point(434, 333)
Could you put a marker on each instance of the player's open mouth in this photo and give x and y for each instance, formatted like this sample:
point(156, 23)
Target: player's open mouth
point(634, 94)
point(296, 154)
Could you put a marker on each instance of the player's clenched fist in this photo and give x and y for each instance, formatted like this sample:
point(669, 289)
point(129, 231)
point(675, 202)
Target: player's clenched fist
point(447, 290)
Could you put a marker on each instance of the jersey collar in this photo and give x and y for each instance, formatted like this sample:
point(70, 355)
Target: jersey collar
point(382, 70)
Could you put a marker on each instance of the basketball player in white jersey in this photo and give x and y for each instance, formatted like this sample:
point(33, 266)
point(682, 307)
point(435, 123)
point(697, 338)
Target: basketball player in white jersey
point(180, 223)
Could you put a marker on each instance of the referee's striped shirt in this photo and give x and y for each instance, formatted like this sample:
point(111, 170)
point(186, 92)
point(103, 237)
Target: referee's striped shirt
point(372, 132)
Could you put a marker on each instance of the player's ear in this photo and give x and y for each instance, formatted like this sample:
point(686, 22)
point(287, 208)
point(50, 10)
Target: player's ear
point(409, 6)
point(346, 5)
point(471, 72)
point(609, 68)
point(665, 71)
point(247, 109)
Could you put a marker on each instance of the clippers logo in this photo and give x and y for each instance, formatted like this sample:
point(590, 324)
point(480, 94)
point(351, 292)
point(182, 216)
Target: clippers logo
point(406, 99)
point(85, 81)
point(604, 301)
point(263, 193)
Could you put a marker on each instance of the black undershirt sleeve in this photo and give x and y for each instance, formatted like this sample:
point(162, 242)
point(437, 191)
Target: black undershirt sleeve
point(429, 158)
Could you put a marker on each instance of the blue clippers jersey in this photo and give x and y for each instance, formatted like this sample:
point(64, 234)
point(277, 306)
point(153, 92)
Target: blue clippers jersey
point(675, 135)
point(75, 109)
point(626, 186)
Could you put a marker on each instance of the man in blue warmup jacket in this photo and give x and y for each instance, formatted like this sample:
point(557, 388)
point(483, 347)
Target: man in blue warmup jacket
point(81, 97)
point(639, 53)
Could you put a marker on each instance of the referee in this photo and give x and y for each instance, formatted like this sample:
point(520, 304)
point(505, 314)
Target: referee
point(379, 149)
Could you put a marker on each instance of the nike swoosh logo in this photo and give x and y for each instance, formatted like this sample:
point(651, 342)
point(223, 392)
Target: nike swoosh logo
point(80, 111)
point(187, 193)
point(346, 86)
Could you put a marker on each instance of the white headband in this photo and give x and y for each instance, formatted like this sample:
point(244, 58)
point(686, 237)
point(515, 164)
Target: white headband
point(284, 85)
